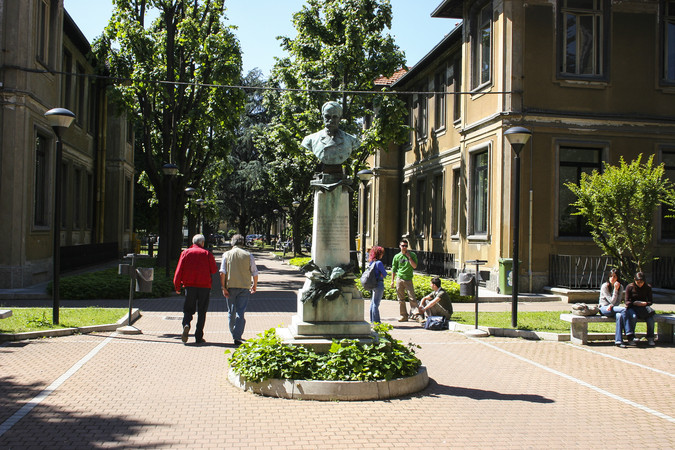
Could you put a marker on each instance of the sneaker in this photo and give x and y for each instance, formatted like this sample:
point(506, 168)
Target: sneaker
point(651, 342)
point(403, 319)
point(186, 331)
point(620, 344)
point(200, 341)
point(631, 343)
point(238, 342)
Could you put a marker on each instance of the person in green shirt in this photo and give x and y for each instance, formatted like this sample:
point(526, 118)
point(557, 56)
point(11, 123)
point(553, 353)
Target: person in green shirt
point(402, 268)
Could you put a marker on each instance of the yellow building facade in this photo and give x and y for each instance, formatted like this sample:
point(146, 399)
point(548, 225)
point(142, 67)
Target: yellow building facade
point(593, 80)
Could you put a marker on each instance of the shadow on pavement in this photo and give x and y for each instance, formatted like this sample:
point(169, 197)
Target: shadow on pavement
point(58, 427)
point(480, 394)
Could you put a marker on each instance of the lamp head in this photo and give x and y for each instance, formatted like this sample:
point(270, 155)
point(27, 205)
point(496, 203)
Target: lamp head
point(365, 175)
point(190, 191)
point(517, 137)
point(170, 169)
point(59, 117)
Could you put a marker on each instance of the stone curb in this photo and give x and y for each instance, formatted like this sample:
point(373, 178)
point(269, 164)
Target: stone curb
point(508, 332)
point(334, 390)
point(135, 314)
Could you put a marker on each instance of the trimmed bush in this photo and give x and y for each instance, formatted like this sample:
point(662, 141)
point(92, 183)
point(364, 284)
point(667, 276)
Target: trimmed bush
point(267, 357)
point(107, 284)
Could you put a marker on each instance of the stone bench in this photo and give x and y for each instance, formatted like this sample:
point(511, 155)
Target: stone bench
point(5, 313)
point(579, 326)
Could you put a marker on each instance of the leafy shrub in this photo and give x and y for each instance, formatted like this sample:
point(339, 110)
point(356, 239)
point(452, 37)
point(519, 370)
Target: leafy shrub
point(421, 284)
point(267, 357)
point(299, 261)
point(107, 284)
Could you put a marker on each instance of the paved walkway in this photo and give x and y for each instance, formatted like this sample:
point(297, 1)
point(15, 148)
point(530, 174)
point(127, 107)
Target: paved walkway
point(108, 390)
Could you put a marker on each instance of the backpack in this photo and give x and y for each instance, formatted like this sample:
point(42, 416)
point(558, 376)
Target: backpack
point(436, 323)
point(368, 280)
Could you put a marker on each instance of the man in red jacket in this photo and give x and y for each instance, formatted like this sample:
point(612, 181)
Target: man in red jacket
point(194, 270)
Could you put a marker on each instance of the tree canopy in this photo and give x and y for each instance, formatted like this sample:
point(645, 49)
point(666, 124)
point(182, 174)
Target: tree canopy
point(620, 205)
point(340, 49)
point(170, 57)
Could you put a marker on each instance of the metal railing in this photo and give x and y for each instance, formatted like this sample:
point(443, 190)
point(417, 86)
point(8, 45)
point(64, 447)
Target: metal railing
point(578, 272)
point(431, 263)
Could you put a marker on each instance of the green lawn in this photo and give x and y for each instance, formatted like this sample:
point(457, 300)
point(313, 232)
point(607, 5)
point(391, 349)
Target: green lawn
point(40, 319)
point(547, 321)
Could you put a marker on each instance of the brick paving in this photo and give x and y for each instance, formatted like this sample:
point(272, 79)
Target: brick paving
point(108, 390)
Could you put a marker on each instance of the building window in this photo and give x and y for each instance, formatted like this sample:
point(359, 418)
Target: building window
point(67, 91)
point(479, 193)
point(421, 207)
point(421, 118)
point(127, 204)
point(455, 77)
point(668, 223)
point(582, 36)
point(481, 41)
point(77, 199)
point(40, 218)
point(90, 201)
point(130, 132)
point(42, 32)
point(408, 207)
point(92, 107)
point(64, 195)
point(439, 100)
point(573, 162)
point(438, 210)
point(456, 196)
point(669, 42)
point(81, 83)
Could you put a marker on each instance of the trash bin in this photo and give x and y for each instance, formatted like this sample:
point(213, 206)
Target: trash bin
point(505, 276)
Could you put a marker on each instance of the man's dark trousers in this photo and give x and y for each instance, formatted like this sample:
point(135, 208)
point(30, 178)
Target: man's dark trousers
point(196, 299)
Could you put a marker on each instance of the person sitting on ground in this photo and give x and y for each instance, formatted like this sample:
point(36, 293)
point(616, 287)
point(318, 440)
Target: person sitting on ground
point(437, 303)
point(611, 293)
point(638, 297)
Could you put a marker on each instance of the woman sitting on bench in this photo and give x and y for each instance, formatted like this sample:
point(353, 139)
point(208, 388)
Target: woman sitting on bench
point(611, 293)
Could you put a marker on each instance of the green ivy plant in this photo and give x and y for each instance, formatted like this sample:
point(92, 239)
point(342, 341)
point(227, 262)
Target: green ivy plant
point(347, 360)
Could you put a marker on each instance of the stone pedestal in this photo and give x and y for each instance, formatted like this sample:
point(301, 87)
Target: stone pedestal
point(342, 317)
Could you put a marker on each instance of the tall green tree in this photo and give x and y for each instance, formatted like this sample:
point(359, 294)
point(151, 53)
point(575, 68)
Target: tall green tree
point(170, 55)
point(620, 206)
point(245, 189)
point(341, 48)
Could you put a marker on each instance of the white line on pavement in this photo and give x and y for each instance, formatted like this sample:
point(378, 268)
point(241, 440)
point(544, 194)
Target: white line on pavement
point(25, 409)
point(581, 382)
point(642, 366)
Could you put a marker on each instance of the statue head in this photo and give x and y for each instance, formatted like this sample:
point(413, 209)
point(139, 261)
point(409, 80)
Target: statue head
point(331, 112)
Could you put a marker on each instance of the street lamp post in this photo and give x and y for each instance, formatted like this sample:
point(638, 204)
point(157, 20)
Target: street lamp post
point(294, 220)
point(517, 137)
point(169, 171)
point(200, 215)
point(190, 192)
point(58, 118)
point(364, 175)
point(278, 228)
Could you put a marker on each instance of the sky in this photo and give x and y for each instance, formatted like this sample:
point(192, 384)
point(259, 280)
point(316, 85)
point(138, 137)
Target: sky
point(259, 22)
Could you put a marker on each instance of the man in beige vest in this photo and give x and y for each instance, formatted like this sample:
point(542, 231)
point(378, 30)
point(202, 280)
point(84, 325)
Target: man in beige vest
point(236, 271)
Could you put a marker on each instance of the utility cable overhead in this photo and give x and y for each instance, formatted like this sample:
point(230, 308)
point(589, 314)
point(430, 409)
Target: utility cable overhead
point(119, 80)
